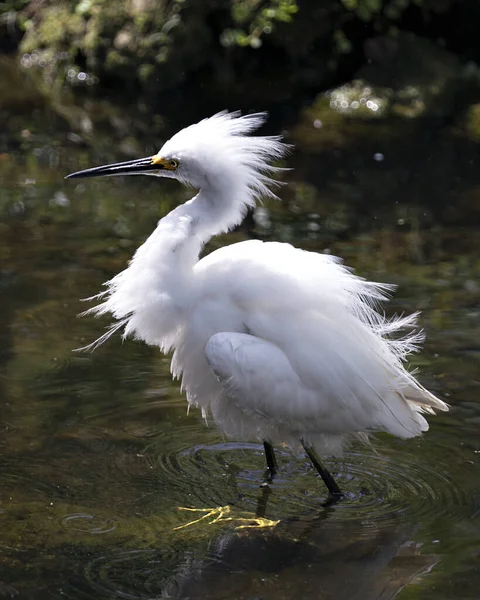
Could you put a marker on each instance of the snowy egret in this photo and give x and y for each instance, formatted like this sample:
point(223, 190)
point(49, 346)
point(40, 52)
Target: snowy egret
point(274, 343)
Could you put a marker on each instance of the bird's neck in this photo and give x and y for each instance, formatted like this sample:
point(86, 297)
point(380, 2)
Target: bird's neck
point(153, 296)
point(181, 235)
point(215, 211)
point(173, 249)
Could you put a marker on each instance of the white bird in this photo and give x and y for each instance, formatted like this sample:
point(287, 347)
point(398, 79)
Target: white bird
point(274, 343)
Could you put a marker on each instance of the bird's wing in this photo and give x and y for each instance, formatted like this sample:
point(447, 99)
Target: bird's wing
point(319, 357)
point(309, 393)
point(258, 377)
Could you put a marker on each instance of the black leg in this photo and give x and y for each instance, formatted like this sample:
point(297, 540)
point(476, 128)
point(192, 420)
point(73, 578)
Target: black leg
point(271, 459)
point(263, 501)
point(329, 481)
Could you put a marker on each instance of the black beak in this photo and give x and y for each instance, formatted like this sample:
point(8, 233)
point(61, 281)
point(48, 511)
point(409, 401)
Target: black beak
point(130, 167)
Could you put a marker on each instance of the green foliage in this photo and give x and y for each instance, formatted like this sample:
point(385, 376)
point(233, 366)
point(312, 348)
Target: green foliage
point(156, 44)
point(255, 20)
point(11, 14)
point(12, 5)
point(367, 10)
point(135, 39)
point(384, 14)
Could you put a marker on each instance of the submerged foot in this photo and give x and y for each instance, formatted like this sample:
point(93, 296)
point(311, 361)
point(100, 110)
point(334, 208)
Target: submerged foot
point(224, 513)
point(267, 478)
point(333, 499)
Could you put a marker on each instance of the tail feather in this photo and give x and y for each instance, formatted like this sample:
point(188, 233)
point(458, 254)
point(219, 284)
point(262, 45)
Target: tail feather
point(422, 400)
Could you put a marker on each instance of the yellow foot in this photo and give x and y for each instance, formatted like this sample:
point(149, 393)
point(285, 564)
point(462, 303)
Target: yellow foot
point(223, 513)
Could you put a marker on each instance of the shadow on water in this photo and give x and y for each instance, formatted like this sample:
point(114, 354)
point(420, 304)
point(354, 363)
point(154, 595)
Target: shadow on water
point(310, 558)
point(97, 452)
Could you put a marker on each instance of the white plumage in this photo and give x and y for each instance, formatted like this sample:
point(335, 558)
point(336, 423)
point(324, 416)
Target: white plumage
point(274, 343)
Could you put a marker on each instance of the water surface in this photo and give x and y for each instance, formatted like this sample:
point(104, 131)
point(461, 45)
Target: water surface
point(97, 451)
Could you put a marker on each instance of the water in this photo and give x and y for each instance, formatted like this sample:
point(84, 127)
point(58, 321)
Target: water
point(97, 452)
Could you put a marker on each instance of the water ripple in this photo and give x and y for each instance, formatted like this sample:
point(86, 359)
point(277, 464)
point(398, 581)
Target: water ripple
point(87, 523)
point(378, 487)
point(6, 427)
point(382, 487)
point(131, 574)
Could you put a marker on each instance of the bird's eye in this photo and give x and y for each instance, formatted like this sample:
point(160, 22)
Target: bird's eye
point(173, 163)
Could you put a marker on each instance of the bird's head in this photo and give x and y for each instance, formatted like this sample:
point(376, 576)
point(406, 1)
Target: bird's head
point(214, 153)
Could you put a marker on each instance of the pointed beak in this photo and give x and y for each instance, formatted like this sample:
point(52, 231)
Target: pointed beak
point(147, 166)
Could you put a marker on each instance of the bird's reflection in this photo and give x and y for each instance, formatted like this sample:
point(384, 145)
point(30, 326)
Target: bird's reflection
point(311, 558)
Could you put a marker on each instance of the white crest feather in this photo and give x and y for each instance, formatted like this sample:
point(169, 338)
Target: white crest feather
point(224, 146)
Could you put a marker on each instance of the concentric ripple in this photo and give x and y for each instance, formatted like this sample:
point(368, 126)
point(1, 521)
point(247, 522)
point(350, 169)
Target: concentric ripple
point(5, 427)
point(86, 523)
point(378, 487)
point(382, 487)
point(129, 575)
point(20, 477)
point(208, 474)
